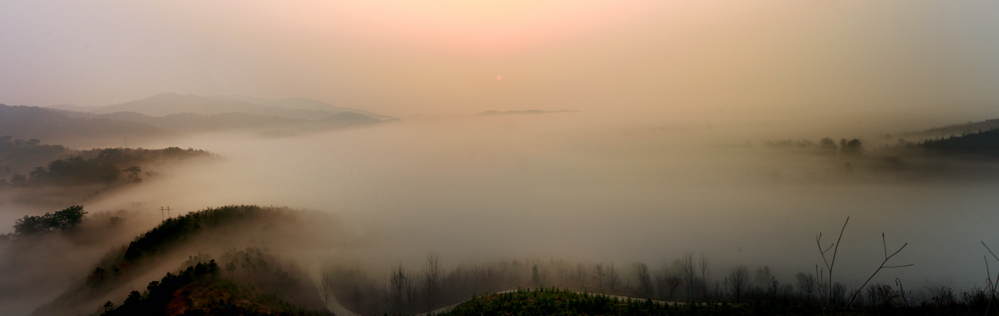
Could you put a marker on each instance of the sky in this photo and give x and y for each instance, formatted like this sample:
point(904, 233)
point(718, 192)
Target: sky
point(462, 57)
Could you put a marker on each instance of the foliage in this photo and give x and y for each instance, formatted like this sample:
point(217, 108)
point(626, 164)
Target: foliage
point(62, 220)
point(199, 290)
point(171, 233)
point(982, 144)
point(19, 155)
point(554, 301)
point(107, 167)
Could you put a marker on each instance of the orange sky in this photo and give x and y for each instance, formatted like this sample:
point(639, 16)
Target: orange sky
point(442, 58)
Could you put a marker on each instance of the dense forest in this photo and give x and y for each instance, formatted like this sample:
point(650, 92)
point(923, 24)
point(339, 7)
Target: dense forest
point(111, 166)
point(58, 175)
point(233, 240)
point(20, 156)
point(205, 288)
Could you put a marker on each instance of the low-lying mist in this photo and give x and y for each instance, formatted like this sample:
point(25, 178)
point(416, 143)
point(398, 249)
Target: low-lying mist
point(597, 188)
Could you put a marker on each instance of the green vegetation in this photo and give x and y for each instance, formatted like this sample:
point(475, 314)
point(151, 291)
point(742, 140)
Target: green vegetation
point(171, 233)
point(554, 301)
point(107, 167)
point(215, 231)
point(984, 144)
point(19, 155)
point(824, 146)
point(61, 220)
point(201, 290)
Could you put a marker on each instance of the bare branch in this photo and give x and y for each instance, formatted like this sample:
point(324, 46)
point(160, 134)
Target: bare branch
point(882, 266)
point(990, 250)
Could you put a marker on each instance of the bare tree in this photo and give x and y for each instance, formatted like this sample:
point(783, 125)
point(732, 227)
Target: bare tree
point(598, 274)
point(703, 266)
point(644, 279)
point(400, 289)
point(581, 274)
point(326, 284)
point(737, 279)
point(688, 274)
point(612, 278)
point(806, 285)
point(667, 281)
point(432, 277)
point(830, 264)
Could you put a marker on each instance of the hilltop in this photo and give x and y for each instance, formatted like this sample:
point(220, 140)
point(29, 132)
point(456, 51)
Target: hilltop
point(171, 114)
point(231, 261)
point(173, 103)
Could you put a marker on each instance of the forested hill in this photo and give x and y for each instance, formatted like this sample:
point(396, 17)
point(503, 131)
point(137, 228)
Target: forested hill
point(984, 144)
point(32, 173)
point(960, 129)
point(20, 155)
point(231, 271)
point(108, 167)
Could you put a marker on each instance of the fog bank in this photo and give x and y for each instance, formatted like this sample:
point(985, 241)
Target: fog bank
point(596, 187)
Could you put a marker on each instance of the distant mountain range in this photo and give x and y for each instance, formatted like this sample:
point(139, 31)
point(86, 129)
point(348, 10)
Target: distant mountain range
point(47, 124)
point(173, 103)
point(171, 113)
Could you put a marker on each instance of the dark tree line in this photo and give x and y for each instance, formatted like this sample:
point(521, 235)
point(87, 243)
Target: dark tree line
point(19, 155)
point(826, 145)
point(105, 167)
point(63, 220)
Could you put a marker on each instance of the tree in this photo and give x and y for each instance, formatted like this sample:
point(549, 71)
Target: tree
point(667, 281)
point(598, 274)
point(327, 284)
point(688, 273)
point(133, 172)
point(61, 220)
point(853, 146)
point(432, 274)
point(644, 279)
point(703, 266)
point(612, 278)
point(581, 274)
point(737, 280)
point(401, 286)
point(806, 285)
point(535, 277)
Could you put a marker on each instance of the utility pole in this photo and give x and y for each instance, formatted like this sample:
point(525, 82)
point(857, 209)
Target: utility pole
point(126, 143)
point(167, 209)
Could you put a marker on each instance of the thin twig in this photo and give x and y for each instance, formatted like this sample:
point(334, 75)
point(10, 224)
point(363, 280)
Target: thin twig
point(901, 290)
point(882, 266)
point(988, 276)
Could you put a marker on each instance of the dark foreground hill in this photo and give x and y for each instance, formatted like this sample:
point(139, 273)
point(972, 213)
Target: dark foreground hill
point(203, 289)
point(237, 271)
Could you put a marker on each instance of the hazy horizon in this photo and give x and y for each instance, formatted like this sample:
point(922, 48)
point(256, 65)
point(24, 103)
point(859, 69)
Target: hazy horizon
point(404, 58)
